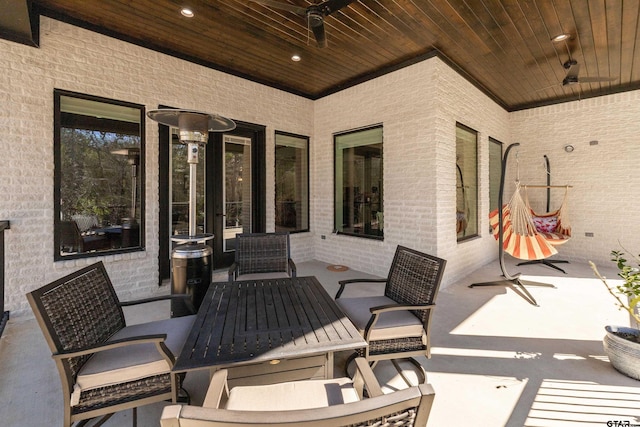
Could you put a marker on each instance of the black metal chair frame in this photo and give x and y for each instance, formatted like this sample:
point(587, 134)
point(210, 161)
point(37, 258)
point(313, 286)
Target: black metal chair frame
point(262, 253)
point(78, 314)
point(413, 282)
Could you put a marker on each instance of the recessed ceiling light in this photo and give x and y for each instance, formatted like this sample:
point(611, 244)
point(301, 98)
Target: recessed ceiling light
point(187, 12)
point(560, 38)
point(296, 58)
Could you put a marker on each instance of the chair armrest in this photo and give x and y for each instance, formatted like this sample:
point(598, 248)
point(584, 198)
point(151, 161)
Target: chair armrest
point(377, 311)
point(171, 416)
point(292, 268)
point(154, 299)
point(364, 378)
point(217, 388)
point(344, 283)
point(398, 307)
point(157, 339)
point(232, 271)
point(187, 301)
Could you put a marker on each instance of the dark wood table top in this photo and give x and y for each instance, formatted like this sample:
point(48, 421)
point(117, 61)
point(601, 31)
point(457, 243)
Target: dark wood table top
point(260, 320)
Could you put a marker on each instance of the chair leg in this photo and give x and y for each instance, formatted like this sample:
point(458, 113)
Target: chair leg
point(422, 374)
point(183, 396)
point(103, 419)
point(348, 362)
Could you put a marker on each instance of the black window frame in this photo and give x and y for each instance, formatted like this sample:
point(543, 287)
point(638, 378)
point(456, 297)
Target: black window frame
point(57, 187)
point(336, 182)
point(306, 139)
point(477, 181)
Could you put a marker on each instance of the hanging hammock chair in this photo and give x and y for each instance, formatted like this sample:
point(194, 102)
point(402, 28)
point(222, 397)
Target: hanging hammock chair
point(527, 235)
point(553, 226)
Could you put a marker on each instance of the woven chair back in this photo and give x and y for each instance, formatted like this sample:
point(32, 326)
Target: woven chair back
point(262, 252)
point(77, 311)
point(414, 278)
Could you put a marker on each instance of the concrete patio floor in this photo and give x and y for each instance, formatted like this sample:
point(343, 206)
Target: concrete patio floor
point(496, 359)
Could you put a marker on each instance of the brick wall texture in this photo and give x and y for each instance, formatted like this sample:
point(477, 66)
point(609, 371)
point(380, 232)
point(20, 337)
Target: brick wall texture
point(418, 107)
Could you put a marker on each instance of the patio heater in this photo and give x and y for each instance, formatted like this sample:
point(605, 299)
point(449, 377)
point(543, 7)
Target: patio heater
point(130, 227)
point(191, 259)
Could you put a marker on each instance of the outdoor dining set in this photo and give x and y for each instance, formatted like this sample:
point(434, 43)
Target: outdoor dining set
point(266, 336)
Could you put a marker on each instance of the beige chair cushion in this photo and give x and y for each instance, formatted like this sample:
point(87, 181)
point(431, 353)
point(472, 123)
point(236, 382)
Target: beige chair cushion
point(133, 362)
point(270, 275)
point(390, 325)
point(292, 395)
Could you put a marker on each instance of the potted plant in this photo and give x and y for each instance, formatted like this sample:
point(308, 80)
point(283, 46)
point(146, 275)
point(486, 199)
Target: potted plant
point(622, 344)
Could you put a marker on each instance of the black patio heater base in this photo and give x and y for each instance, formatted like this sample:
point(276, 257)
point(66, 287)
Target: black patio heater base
point(191, 260)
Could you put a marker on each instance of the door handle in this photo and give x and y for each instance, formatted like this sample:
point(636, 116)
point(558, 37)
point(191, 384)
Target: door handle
point(220, 214)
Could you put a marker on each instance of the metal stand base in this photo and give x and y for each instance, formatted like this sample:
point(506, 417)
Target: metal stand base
point(514, 281)
point(3, 322)
point(518, 287)
point(548, 263)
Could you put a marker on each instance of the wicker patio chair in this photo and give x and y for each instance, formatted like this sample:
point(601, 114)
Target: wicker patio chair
point(262, 256)
point(104, 365)
point(329, 403)
point(397, 324)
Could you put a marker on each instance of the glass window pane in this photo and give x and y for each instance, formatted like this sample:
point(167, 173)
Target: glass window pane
point(466, 182)
point(292, 182)
point(359, 189)
point(237, 189)
point(99, 156)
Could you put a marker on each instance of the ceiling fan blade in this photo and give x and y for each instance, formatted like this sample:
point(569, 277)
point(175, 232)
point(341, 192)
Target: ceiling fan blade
point(331, 6)
point(283, 6)
point(596, 79)
point(319, 34)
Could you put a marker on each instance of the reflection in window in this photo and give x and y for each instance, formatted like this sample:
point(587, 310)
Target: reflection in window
point(466, 182)
point(495, 172)
point(358, 183)
point(98, 174)
point(292, 182)
point(237, 189)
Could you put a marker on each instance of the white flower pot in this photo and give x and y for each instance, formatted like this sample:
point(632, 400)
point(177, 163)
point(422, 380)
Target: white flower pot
point(623, 354)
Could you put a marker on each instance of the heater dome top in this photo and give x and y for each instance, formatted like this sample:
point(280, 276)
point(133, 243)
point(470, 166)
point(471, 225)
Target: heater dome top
point(192, 121)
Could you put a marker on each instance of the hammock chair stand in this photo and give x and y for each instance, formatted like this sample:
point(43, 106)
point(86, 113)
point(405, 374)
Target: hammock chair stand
point(548, 262)
point(513, 282)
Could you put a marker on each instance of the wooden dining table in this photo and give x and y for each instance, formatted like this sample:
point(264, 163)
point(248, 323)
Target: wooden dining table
point(266, 331)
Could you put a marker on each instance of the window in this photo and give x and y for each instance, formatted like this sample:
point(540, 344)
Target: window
point(292, 182)
point(495, 172)
point(466, 182)
point(358, 183)
point(99, 171)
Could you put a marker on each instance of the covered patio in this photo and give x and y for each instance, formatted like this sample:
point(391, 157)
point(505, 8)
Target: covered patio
point(496, 359)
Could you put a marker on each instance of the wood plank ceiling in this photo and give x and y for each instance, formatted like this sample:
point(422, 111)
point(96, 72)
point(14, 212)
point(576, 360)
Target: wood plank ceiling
point(502, 46)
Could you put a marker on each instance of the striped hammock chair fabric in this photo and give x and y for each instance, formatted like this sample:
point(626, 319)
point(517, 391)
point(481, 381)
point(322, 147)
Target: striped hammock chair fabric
point(521, 239)
point(553, 226)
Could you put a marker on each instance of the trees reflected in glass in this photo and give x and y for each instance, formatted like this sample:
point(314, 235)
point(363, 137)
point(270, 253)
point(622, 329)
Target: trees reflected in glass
point(99, 152)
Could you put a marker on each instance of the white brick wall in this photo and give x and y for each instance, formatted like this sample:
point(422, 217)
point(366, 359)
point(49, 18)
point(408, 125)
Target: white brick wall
point(605, 179)
point(78, 60)
point(418, 106)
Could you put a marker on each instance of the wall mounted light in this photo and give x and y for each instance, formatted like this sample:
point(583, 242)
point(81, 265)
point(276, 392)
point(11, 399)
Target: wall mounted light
point(569, 148)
